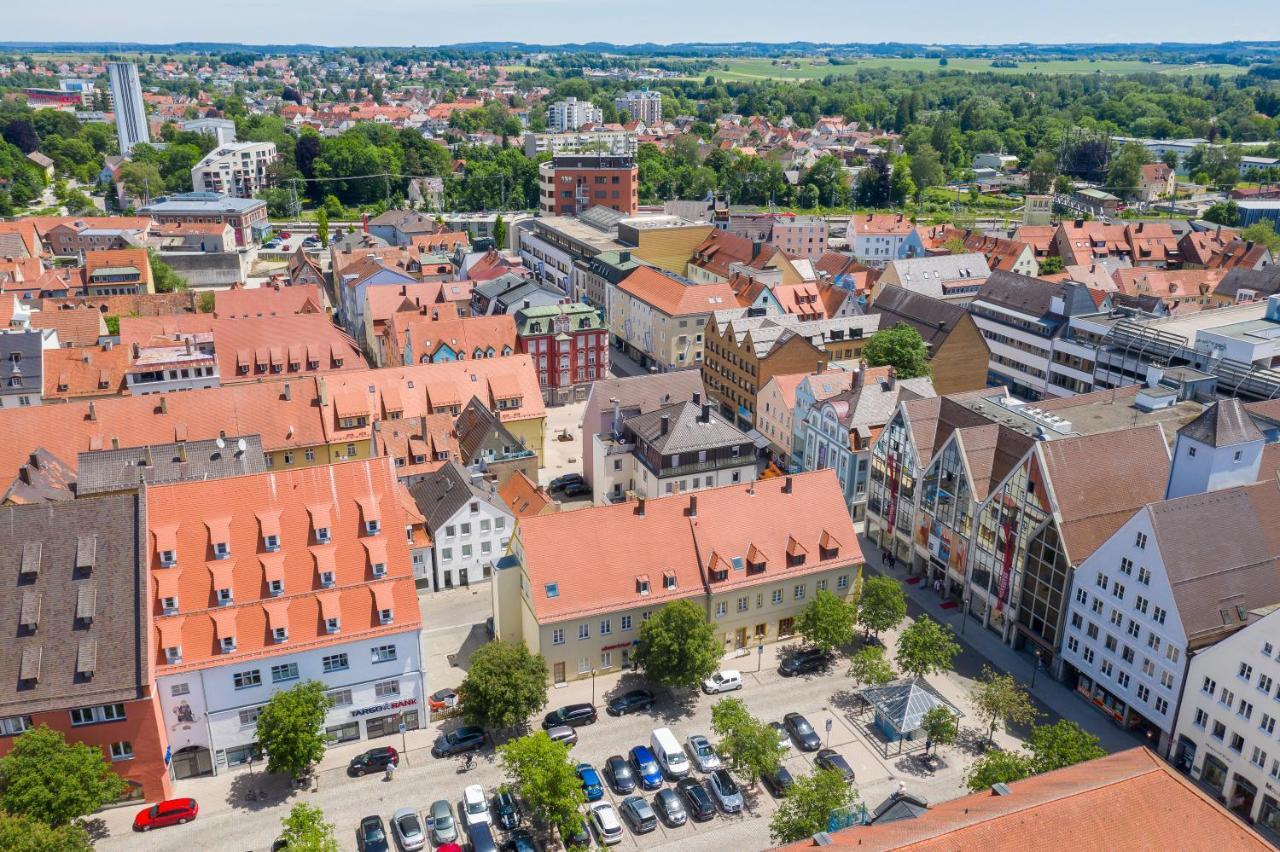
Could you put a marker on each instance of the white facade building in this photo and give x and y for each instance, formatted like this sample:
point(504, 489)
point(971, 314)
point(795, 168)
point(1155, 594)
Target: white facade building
point(130, 109)
point(571, 113)
point(469, 524)
point(221, 129)
point(239, 170)
point(642, 105)
point(375, 685)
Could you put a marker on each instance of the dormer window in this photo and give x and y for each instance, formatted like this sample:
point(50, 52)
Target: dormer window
point(169, 606)
point(224, 597)
point(379, 569)
point(668, 580)
point(384, 616)
point(173, 654)
point(326, 578)
point(221, 550)
point(322, 535)
point(372, 527)
point(280, 634)
point(331, 625)
point(228, 644)
point(168, 558)
point(642, 585)
point(276, 587)
point(553, 590)
point(271, 543)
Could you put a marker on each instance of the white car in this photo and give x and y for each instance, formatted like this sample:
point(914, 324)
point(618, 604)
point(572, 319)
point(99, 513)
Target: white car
point(475, 807)
point(604, 819)
point(724, 681)
point(784, 738)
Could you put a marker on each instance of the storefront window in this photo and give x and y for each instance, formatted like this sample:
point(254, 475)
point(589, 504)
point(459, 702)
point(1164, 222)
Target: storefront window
point(1214, 774)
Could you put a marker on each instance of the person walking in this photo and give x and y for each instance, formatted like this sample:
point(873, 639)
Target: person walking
point(391, 770)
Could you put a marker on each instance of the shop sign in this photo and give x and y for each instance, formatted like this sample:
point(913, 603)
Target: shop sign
point(389, 705)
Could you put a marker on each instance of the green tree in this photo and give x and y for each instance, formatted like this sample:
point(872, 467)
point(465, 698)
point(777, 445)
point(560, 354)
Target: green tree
point(291, 728)
point(1000, 699)
point(1125, 169)
point(25, 834)
point(48, 779)
point(926, 647)
point(955, 245)
point(207, 302)
point(1064, 743)
point(1263, 231)
point(545, 778)
point(499, 233)
point(306, 830)
point(1051, 264)
point(163, 278)
point(828, 621)
point(1223, 213)
point(809, 804)
point(750, 745)
point(1041, 171)
point(322, 226)
point(678, 646)
point(141, 179)
point(504, 686)
point(926, 168)
point(900, 347)
point(869, 666)
point(882, 604)
point(902, 186)
point(940, 727)
point(997, 767)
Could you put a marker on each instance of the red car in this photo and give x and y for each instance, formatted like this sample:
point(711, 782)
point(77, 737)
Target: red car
point(172, 812)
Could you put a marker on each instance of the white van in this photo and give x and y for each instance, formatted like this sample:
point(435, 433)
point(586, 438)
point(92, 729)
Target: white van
point(669, 754)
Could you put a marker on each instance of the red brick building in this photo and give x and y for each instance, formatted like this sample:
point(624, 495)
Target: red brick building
point(569, 184)
point(569, 345)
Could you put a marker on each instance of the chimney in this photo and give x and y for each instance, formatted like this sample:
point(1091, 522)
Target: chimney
point(892, 379)
point(1140, 224)
point(182, 451)
point(24, 474)
point(34, 461)
point(1079, 223)
point(528, 304)
point(666, 424)
point(756, 248)
point(288, 392)
point(147, 461)
point(706, 412)
point(93, 411)
point(786, 486)
point(190, 348)
point(322, 391)
point(164, 405)
point(137, 350)
point(697, 398)
point(115, 443)
point(693, 505)
point(617, 414)
point(640, 507)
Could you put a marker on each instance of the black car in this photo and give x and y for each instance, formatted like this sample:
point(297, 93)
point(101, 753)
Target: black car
point(577, 489)
point(464, 739)
point(778, 782)
point(696, 799)
point(619, 773)
point(572, 715)
point(829, 758)
point(805, 661)
point(520, 841)
point(372, 835)
point(802, 732)
point(667, 804)
point(507, 809)
point(631, 702)
point(580, 836)
point(566, 480)
point(373, 760)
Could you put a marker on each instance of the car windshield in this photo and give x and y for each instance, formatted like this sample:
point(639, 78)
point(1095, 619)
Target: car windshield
point(702, 748)
point(647, 764)
point(802, 727)
point(443, 819)
point(621, 771)
point(373, 831)
point(409, 824)
point(476, 807)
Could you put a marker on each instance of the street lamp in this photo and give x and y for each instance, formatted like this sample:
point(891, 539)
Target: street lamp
point(593, 686)
point(964, 611)
point(1035, 669)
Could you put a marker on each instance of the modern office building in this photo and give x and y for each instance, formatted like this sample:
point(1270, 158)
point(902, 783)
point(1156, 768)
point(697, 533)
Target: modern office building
point(569, 184)
point(131, 112)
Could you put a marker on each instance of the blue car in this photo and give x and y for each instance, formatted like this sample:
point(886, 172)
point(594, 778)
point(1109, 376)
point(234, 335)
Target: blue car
point(591, 784)
point(646, 767)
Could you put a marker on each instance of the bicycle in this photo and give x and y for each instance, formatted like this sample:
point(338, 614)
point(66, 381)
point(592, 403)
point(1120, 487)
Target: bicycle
point(469, 763)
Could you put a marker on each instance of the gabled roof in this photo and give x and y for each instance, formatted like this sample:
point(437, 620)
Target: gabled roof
point(934, 319)
point(441, 494)
point(75, 327)
point(676, 296)
point(1265, 282)
point(126, 469)
point(524, 497)
point(44, 478)
point(904, 703)
point(476, 425)
point(242, 303)
point(688, 429)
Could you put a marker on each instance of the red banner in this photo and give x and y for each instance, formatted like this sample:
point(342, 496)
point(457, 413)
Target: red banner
point(1009, 528)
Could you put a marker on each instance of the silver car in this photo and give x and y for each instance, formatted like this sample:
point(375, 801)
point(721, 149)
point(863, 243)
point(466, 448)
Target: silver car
point(443, 827)
point(701, 753)
point(408, 828)
point(725, 791)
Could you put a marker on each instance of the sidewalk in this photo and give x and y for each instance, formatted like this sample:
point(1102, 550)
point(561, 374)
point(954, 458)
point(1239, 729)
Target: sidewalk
point(1054, 698)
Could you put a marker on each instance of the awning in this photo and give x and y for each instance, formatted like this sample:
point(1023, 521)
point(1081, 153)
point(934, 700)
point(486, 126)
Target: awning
point(277, 614)
point(376, 548)
point(330, 604)
point(166, 582)
point(166, 537)
point(223, 570)
point(272, 567)
point(761, 442)
point(224, 623)
point(383, 595)
point(269, 522)
point(171, 631)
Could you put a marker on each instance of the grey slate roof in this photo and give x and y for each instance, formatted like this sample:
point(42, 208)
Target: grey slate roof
point(1264, 281)
point(772, 330)
point(928, 274)
point(640, 394)
point(1033, 296)
point(441, 493)
point(123, 469)
point(477, 424)
point(1222, 424)
point(873, 404)
point(687, 432)
point(934, 319)
point(26, 374)
point(88, 619)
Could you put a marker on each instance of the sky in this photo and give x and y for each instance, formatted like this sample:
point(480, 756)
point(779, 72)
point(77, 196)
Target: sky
point(433, 22)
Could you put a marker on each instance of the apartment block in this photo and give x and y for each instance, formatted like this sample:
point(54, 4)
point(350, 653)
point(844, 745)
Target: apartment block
point(236, 169)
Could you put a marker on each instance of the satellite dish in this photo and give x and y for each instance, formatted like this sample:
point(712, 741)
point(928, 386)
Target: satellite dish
point(221, 443)
point(242, 445)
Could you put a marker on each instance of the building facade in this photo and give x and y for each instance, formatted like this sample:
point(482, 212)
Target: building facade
point(469, 524)
point(642, 105)
point(246, 216)
point(569, 345)
point(570, 183)
point(130, 109)
point(236, 169)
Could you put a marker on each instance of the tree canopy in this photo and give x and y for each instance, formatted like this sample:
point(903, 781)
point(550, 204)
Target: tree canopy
point(504, 686)
point(900, 347)
point(53, 781)
point(305, 830)
point(827, 621)
point(291, 728)
point(809, 804)
point(678, 646)
point(546, 779)
point(1000, 699)
point(882, 604)
point(749, 745)
point(926, 647)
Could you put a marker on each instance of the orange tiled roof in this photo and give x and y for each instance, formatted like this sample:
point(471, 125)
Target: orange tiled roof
point(239, 302)
point(76, 373)
point(460, 334)
point(189, 517)
point(881, 223)
point(76, 327)
point(577, 552)
point(524, 498)
point(675, 298)
point(445, 241)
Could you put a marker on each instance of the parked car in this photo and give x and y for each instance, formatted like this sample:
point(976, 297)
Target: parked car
point(572, 715)
point(638, 814)
point(604, 819)
point(459, 741)
point(725, 790)
point(564, 734)
point(372, 836)
point(169, 812)
point(784, 739)
point(696, 799)
point(564, 480)
point(481, 837)
point(579, 837)
point(668, 805)
point(442, 699)
point(284, 235)
point(645, 766)
point(778, 782)
point(591, 784)
point(507, 809)
point(631, 702)
point(474, 808)
point(723, 681)
point(443, 827)
point(520, 840)
point(667, 751)
point(576, 489)
point(408, 828)
point(803, 733)
point(829, 758)
point(619, 773)
point(701, 753)
point(805, 661)
point(373, 760)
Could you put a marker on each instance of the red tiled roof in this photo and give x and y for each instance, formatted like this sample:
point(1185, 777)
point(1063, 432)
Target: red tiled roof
point(461, 335)
point(675, 298)
point(77, 327)
point(75, 373)
point(241, 303)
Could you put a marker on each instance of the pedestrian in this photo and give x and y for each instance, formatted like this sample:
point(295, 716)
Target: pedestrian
point(391, 770)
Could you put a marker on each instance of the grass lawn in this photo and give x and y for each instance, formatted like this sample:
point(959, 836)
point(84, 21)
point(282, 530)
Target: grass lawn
point(815, 69)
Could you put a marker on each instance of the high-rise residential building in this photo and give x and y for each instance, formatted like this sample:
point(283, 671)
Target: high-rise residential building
point(642, 105)
point(131, 112)
point(571, 113)
point(237, 169)
point(569, 184)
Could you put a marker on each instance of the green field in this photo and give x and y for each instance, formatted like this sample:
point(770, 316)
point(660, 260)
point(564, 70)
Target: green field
point(816, 69)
